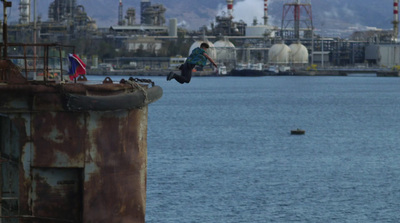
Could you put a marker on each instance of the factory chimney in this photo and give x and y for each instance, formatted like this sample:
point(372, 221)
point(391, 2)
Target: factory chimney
point(395, 19)
point(120, 12)
point(24, 8)
point(230, 8)
point(265, 12)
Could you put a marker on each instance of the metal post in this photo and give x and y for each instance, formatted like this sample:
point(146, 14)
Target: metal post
point(26, 64)
point(297, 21)
point(34, 39)
point(312, 45)
point(46, 63)
point(5, 5)
point(322, 53)
point(61, 66)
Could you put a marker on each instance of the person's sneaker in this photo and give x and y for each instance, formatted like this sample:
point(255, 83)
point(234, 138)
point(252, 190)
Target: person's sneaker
point(170, 76)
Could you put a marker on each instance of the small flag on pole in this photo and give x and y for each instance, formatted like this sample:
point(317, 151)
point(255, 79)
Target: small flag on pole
point(77, 67)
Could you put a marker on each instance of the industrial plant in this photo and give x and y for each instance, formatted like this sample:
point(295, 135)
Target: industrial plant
point(76, 151)
point(235, 45)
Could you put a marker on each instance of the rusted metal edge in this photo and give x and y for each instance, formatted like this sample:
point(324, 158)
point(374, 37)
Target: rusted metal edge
point(136, 99)
point(35, 218)
point(72, 88)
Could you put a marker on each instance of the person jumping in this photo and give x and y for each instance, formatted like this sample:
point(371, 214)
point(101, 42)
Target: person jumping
point(197, 57)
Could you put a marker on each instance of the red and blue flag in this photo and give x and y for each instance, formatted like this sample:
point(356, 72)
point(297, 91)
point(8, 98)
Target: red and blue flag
point(77, 66)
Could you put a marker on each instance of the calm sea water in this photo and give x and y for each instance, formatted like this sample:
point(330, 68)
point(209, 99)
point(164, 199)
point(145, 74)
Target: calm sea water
point(220, 150)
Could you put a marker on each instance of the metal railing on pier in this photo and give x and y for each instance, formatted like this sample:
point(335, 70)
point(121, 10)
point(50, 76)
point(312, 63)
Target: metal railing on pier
point(37, 61)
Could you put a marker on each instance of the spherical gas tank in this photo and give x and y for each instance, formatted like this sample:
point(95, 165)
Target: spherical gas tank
point(279, 54)
point(299, 53)
point(211, 51)
point(225, 50)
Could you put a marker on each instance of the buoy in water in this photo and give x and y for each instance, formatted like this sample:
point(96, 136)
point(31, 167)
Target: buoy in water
point(297, 132)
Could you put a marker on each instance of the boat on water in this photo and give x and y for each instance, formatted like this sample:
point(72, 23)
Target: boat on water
point(280, 70)
point(249, 70)
point(249, 73)
point(256, 70)
point(222, 70)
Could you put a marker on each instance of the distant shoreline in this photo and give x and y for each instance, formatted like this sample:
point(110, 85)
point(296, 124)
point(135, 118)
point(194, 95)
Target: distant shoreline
point(212, 73)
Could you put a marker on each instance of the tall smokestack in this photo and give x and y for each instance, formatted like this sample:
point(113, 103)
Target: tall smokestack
point(395, 19)
point(230, 8)
point(120, 12)
point(265, 12)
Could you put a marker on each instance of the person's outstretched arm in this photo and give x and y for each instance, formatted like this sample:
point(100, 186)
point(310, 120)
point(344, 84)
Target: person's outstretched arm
point(211, 60)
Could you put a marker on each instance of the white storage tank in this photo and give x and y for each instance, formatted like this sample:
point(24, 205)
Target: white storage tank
point(173, 27)
point(225, 51)
point(279, 54)
point(298, 54)
point(211, 51)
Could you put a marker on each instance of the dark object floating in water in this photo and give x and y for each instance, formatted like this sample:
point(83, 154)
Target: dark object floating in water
point(297, 132)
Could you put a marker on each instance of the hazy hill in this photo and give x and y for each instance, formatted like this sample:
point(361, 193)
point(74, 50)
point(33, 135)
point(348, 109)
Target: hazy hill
point(196, 13)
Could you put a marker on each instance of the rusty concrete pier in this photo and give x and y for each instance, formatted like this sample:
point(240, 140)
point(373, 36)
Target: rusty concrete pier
point(73, 152)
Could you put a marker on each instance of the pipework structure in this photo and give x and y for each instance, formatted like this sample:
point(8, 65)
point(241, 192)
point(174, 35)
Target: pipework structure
point(296, 8)
point(62, 11)
point(225, 26)
point(144, 4)
point(130, 16)
point(153, 15)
